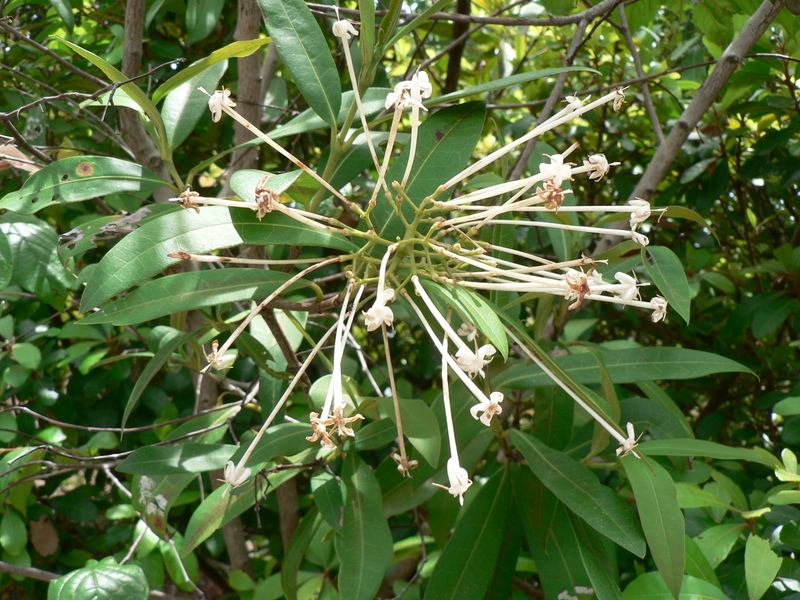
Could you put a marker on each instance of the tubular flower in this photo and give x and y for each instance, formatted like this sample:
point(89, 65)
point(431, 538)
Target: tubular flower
point(236, 476)
point(459, 480)
point(630, 291)
point(489, 407)
point(219, 99)
point(320, 429)
point(578, 285)
point(216, 359)
point(344, 29)
point(641, 212)
point(468, 330)
point(628, 444)
point(659, 306)
point(380, 314)
point(598, 166)
point(410, 93)
point(556, 170)
point(340, 422)
point(473, 362)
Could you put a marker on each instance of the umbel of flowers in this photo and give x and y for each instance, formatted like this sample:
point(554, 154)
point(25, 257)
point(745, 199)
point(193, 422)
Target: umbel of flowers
point(439, 247)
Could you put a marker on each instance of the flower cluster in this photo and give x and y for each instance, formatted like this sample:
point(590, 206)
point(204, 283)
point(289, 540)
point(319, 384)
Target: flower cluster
point(441, 249)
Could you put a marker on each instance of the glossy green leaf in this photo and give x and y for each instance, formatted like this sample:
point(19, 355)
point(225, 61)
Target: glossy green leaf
point(13, 534)
point(772, 315)
point(374, 435)
point(176, 459)
point(444, 145)
point(304, 51)
point(101, 580)
point(461, 571)
point(505, 565)
point(233, 50)
point(145, 251)
point(366, 545)
point(761, 566)
point(598, 556)
point(474, 309)
point(629, 365)
point(419, 425)
point(130, 88)
point(327, 490)
point(668, 408)
point(693, 496)
point(579, 489)
point(662, 519)
point(189, 291)
point(666, 271)
point(28, 355)
point(186, 104)
point(201, 18)
point(154, 366)
point(682, 212)
point(691, 447)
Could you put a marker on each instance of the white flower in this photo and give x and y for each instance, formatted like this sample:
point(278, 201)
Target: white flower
point(473, 362)
point(640, 213)
point(630, 291)
point(219, 99)
point(628, 444)
point(236, 476)
point(659, 306)
point(640, 238)
point(216, 360)
point(380, 314)
point(598, 165)
point(468, 330)
point(410, 93)
point(459, 479)
point(556, 170)
point(344, 29)
point(574, 103)
point(489, 406)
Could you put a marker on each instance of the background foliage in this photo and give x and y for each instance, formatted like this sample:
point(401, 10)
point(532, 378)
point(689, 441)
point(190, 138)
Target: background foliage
point(719, 519)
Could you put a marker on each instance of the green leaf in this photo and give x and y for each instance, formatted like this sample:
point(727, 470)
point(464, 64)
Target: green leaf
point(366, 545)
point(691, 447)
point(419, 425)
point(186, 104)
point(28, 355)
point(579, 489)
point(189, 291)
point(772, 315)
point(13, 534)
point(681, 212)
point(154, 366)
point(474, 309)
point(502, 84)
point(36, 267)
point(662, 519)
point(304, 51)
point(716, 542)
point(444, 145)
point(201, 18)
point(234, 50)
point(628, 365)
point(64, 10)
point(144, 252)
point(293, 557)
point(666, 271)
point(103, 580)
point(692, 496)
point(6, 261)
point(130, 88)
point(697, 564)
point(461, 571)
point(177, 459)
point(599, 559)
point(761, 566)
point(327, 490)
point(650, 586)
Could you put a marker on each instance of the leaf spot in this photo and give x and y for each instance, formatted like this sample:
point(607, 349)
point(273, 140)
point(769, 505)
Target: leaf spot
point(65, 176)
point(34, 200)
point(55, 197)
point(84, 169)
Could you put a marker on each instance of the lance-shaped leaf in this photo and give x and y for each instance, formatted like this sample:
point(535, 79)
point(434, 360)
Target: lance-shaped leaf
point(628, 365)
point(365, 548)
point(662, 519)
point(692, 447)
point(80, 178)
point(189, 291)
point(464, 570)
point(666, 271)
point(445, 143)
point(145, 251)
point(580, 490)
point(304, 51)
point(761, 565)
point(187, 104)
point(177, 459)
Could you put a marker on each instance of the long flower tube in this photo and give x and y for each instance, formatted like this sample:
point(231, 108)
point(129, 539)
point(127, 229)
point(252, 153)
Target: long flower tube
point(634, 235)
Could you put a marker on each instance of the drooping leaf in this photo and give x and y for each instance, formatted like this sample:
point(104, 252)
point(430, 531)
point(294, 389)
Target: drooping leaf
point(598, 556)
point(145, 251)
point(297, 548)
point(305, 53)
point(64, 10)
point(177, 459)
point(666, 271)
point(628, 365)
point(705, 448)
point(662, 519)
point(365, 548)
point(580, 490)
point(233, 50)
point(189, 291)
point(461, 571)
point(101, 580)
